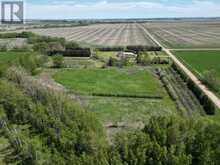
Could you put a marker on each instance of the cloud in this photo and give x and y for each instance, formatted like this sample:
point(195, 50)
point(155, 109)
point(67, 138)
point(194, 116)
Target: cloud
point(127, 9)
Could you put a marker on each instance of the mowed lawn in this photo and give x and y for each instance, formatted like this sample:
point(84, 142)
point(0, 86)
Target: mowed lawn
point(133, 81)
point(201, 61)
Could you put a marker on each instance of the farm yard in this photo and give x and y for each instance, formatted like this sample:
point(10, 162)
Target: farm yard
point(174, 35)
point(201, 62)
point(112, 94)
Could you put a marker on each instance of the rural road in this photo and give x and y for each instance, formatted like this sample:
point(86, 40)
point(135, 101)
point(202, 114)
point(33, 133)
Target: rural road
point(209, 93)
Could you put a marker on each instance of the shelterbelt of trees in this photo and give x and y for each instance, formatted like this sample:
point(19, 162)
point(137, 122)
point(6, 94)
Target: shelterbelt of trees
point(43, 126)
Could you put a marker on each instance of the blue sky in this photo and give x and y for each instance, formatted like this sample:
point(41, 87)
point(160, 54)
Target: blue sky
point(71, 9)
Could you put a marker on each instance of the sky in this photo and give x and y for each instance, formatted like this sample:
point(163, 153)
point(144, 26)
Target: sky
point(102, 9)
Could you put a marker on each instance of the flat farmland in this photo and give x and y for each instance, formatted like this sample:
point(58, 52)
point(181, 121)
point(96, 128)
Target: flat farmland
point(101, 34)
point(186, 34)
point(201, 61)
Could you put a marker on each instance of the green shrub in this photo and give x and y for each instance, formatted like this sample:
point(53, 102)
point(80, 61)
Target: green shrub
point(143, 58)
point(169, 140)
point(72, 45)
point(58, 61)
point(31, 62)
point(66, 128)
point(17, 35)
point(115, 48)
point(210, 79)
point(141, 48)
point(40, 47)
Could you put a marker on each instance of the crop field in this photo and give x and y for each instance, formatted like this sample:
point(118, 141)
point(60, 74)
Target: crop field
point(201, 61)
point(134, 81)
point(102, 34)
point(186, 34)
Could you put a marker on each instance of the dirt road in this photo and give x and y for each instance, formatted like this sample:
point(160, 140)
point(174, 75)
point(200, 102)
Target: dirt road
point(209, 93)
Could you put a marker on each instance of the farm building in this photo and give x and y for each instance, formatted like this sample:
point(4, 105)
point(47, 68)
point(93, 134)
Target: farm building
point(124, 55)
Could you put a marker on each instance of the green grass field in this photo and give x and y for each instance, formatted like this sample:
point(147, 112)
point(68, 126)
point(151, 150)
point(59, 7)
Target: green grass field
point(11, 57)
point(201, 61)
point(129, 110)
point(131, 81)
point(8, 57)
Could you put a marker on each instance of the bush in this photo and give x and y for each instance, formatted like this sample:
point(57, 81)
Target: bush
point(116, 48)
point(3, 68)
point(72, 45)
point(58, 61)
point(160, 60)
point(143, 58)
point(169, 140)
point(118, 62)
point(39, 39)
point(17, 35)
point(3, 48)
point(79, 52)
point(29, 62)
point(40, 47)
point(66, 128)
point(140, 48)
point(210, 79)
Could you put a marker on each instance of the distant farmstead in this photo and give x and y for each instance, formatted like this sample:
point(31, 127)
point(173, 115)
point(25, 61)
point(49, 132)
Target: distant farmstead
point(124, 55)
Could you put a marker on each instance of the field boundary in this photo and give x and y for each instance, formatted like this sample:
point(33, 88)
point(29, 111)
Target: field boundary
point(127, 96)
point(119, 95)
point(209, 93)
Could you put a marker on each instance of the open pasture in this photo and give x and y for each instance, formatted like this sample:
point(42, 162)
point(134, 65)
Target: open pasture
point(186, 34)
point(101, 34)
